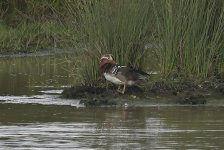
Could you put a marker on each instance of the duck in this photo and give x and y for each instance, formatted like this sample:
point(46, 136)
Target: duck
point(120, 75)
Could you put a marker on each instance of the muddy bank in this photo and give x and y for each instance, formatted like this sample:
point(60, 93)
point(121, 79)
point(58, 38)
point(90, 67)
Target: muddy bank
point(159, 92)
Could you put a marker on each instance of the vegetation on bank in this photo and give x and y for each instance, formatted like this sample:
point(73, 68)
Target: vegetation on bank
point(177, 38)
point(30, 25)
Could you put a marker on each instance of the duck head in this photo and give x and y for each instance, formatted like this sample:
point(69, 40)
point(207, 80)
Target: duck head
point(106, 59)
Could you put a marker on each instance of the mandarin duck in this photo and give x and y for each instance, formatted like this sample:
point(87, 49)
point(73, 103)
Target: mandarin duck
point(119, 74)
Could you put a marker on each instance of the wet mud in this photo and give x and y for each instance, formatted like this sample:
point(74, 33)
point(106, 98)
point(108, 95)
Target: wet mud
point(184, 92)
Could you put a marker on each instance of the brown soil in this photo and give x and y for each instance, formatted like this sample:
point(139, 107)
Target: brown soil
point(184, 92)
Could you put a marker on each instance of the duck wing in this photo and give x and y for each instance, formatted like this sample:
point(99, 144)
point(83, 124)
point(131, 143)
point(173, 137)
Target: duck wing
point(126, 73)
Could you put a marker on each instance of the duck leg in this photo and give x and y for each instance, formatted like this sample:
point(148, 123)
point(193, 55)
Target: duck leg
point(124, 88)
point(119, 89)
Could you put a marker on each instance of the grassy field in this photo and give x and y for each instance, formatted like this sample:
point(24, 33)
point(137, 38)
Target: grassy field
point(178, 38)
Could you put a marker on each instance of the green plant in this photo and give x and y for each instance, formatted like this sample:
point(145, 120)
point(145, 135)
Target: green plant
point(119, 27)
point(27, 26)
point(191, 35)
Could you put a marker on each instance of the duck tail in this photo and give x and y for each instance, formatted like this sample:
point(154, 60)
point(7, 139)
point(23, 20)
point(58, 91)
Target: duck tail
point(142, 73)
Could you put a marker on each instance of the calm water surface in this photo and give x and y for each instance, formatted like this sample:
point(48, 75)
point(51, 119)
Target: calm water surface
point(33, 116)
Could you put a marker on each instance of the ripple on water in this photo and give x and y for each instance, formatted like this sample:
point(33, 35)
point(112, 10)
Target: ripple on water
point(45, 135)
point(59, 135)
point(45, 99)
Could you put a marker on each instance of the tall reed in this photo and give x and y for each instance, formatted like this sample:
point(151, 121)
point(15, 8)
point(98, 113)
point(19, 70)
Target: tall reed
point(119, 27)
point(191, 35)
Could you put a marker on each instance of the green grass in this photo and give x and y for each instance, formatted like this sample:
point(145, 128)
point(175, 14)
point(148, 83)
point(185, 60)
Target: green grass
point(191, 35)
point(36, 36)
point(28, 26)
point(117, 27)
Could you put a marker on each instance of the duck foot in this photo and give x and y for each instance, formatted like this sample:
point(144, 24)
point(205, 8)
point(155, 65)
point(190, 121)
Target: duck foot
point(119, 90)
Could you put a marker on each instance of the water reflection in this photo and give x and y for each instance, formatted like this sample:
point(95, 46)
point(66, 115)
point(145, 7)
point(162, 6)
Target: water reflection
point(57, 127)
point(19, 75)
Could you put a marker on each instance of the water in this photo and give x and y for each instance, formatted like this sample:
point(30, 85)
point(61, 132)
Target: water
point(28, 75)
point(33, 116)
point(34, 126)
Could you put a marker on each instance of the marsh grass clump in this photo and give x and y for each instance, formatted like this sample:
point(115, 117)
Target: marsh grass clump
point(191, 35)
point(117, 27)
point(187, 36)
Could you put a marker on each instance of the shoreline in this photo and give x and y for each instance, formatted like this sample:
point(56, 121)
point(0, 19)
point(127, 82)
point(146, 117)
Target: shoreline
point(155, 90)
point(183, 93)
